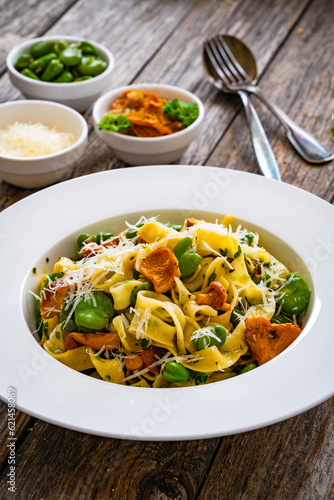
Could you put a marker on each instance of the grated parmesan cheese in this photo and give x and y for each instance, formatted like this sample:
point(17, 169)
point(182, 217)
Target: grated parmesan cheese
point(32, 139)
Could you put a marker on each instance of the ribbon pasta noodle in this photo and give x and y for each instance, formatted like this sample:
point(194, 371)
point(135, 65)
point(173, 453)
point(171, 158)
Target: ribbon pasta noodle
point(165, 305)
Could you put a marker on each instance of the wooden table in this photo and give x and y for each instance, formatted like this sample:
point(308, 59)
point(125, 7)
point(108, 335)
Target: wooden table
point(160, 41)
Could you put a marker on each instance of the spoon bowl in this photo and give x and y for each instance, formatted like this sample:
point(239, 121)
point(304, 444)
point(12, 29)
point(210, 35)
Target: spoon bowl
point(244, 57)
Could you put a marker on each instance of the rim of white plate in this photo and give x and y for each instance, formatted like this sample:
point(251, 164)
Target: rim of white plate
point(295, 381)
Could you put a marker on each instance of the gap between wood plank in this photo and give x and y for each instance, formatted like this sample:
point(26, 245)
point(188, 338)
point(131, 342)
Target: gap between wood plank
point(289, 33)
point(162, 43)
point(212, 459)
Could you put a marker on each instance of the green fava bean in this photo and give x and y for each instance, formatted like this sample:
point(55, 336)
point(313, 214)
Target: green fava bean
point(93, 314)
point(84, 238)
point(53, 69)
point(91, 66)
point(88, 48)
point(188, 260)
point(208, 337)
point(59, 46)
point(27, 72)
point(103, 237)
point(188, 263)
point(75, 72)
point(132, 232)
point(66, 320)
point(177, 227)
point(64, 77)
point(280, 319)
point(23, 62)
point(83, 78)
point(295, 294)
point(174, 372)
point(41, 63)
point(41, 48)
point(182, 247)
point(71, 56)
point(147, 285)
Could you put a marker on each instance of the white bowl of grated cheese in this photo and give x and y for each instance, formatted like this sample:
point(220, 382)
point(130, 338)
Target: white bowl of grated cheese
point(40, 142)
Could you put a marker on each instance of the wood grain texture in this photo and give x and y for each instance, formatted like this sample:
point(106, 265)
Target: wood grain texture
point(279, 462)
point(107, 468)
point(20, 20)
point(23, 422)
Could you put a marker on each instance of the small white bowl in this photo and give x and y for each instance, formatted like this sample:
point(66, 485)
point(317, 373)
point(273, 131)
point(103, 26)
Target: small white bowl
point(40, 171)
point(77, 95)
point(152, 150)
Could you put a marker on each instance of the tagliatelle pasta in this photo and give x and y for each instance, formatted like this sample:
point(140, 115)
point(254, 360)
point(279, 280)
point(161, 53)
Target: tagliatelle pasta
point(164, 305)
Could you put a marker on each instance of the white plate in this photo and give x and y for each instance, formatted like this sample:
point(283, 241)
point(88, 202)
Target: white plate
point(46, 224)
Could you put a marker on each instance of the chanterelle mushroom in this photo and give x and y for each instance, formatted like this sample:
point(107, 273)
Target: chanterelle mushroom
point(191, 222)
point(53, 297)
point(161, 267)
point(97, 340)
point(214, 296)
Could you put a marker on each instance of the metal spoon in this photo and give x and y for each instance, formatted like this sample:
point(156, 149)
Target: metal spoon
point(263, 152)
point(239, 59)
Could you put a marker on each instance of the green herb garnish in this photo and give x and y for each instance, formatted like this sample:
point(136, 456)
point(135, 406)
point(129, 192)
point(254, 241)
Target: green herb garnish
point(115, 123)
point(185, 113)
point(246, 237)
point(144, 343)
point(238, 252)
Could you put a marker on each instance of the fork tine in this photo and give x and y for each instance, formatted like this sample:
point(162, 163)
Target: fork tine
point(213, 61)
point(217, 63)
point(210, 59)
point(221, 60)
point(234, 63)
point(226, 60)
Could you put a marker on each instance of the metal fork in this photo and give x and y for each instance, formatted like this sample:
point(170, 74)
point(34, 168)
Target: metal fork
point(219, 76)
point(236, 80)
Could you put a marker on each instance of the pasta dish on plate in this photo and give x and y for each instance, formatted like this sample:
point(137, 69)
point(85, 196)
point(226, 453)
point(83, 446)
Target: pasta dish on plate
point(167, 305)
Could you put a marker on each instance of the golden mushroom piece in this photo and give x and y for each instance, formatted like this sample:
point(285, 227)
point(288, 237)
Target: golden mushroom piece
point(161, 267)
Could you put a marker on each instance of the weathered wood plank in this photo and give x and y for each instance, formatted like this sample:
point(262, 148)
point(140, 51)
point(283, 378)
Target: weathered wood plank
point(107, 468)
point(300, 80)
point(20, 20)
point(292, 459)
